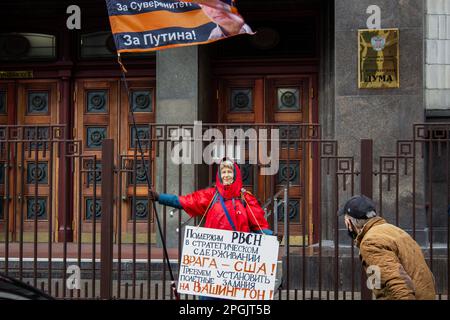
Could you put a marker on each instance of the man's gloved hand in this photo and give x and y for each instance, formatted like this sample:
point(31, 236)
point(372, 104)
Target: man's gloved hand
point(154, 196)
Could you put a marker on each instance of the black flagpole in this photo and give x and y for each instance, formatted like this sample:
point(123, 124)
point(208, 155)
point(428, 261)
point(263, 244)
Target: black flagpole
point(163, 240)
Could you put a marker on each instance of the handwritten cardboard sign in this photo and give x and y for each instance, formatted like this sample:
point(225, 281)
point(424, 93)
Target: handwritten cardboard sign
point(228, 264)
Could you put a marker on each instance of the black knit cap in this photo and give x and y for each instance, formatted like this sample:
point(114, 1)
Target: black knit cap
point(357, 207)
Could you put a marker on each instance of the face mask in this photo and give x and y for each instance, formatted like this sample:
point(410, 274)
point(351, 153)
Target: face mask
point(351, 232)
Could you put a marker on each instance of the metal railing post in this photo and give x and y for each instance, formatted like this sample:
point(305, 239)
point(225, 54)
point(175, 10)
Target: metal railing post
point(367, 190)
point(275, 215)
point(106, 258)
point(286, 226)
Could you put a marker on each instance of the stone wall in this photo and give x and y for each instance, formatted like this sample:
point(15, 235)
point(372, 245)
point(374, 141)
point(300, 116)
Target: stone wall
point(384, 115)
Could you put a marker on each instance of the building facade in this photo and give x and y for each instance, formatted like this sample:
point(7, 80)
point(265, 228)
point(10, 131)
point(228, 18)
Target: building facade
point(300, 69)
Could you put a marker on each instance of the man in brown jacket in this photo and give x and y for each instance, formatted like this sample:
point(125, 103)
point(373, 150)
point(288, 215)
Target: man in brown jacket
point(387, 249)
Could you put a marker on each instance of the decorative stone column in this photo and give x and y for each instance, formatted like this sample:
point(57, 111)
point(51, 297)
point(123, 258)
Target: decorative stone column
point(182, 97)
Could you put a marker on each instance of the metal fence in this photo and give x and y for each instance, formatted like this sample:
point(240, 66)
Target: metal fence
point(68, 214)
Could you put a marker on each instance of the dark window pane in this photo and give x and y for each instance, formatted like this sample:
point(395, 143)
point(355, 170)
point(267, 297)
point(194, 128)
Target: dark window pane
point(89, 165)
point(291, 134)
point(2, 172)
point(142, 101)
point(37, 133)
point(95, 137)
point(97, 45)
point(277, 35)
point(241, 100)
point(3, 106)
point(89, 211)
point(101, 45)
point(37, 103)
point(140, 172)
point(37, 173)
point(288, 99)
point(37, 206)
point(141, 208)
point(289, 173)
point(27, 46)
point(293, 211)
point(97, 101)
point(143, 133)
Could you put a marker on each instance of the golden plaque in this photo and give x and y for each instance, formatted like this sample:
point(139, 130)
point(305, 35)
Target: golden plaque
point(378, 59)
point(16, 74)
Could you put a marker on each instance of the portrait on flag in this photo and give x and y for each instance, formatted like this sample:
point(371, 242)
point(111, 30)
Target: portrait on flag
point(143, 25)
point(227, 22)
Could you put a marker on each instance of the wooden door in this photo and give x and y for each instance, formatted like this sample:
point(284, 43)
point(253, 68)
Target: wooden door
point(29, 163)
point(241, 100)
point(287, 102)
point(135, 212)
point(102, 111)
point(37, 166)
point(96, 119)
point(7, 96)
point(7, 108)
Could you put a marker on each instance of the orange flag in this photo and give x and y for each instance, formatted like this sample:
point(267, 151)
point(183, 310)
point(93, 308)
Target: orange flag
point(139, 25)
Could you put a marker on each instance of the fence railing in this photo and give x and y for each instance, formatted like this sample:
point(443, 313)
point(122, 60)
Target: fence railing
point(79, 225)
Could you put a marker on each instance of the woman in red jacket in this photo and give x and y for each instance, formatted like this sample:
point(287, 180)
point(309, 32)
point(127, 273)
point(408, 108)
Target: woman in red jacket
point(227, 206)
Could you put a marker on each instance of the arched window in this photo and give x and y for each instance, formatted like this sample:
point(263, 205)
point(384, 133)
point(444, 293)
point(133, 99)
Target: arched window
point(97, 45)
point(27, 46)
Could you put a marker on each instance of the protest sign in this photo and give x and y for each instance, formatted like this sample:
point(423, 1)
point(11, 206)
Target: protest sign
point(228, 264)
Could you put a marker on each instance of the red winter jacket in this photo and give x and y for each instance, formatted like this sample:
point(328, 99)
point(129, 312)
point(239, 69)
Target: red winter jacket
point(247, 217)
